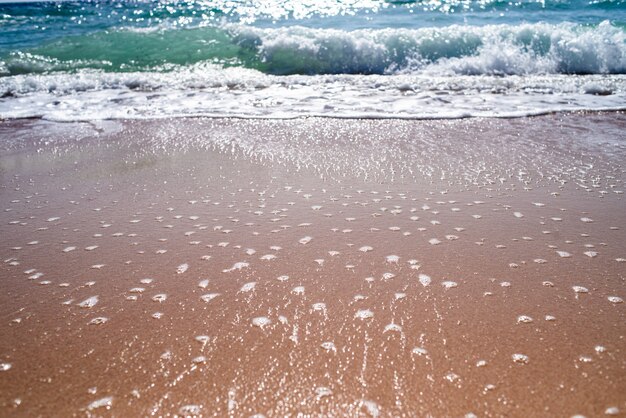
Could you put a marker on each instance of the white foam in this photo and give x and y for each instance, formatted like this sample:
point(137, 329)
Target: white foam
point(305, 240)
point(424, 279)
point(182, 268)
point(89, 302)
point(106, 403)
point(364, 314)
point(161, 297)
point(237, 266)
point(4, 367)
point(392, 259)
point(329, 346)
point(520, 358)
point(261, 321)
point(190, 410)
point(209, 297)
point(449, 284)
point(248, 287)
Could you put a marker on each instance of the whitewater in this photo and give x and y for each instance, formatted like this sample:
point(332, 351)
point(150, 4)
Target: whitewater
point(369, 59)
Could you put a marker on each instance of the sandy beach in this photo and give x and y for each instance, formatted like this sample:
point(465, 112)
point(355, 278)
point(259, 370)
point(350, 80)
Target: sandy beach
point(313, 267)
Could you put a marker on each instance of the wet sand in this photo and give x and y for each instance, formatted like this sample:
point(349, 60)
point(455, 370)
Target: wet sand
point(320, 267)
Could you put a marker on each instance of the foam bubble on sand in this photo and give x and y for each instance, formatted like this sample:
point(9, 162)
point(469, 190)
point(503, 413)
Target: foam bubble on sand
point(333, 253)
point(203, 283)
point(392, 259)
point(55, 218)
point(615, 299)
point(420, 351)
point(366, 248)
point(209, 297)
point(372, 408)
point(563, 254)
point(550, 318)
point(434, 241)
point(91, 248)
point(97, 266)
point(364, 314)
point(524, 319)
point(89, 302)
point(298, 290)
point(586, 220)
point(329, 346)
point(540, 261)
point(282, 278)
point(392, 328)
point(4, 367)
point(68, 249)
point(146, 281)
point(452, 237)
point(591, 254)
point(518, 214)
point(449, 284)
point(248, 287)
point(520, 358)
point(261, 321)
point(424, 279)
point(319, 261)
point(182, 268)
point(481, 363)
point(157, 315)
point(305, 240)
point(199, 359)
point(319, 306)
point(613, 410)
point(99, 320)
point(106, 403)
point(387, 276)
point(190, 410)
point(268, 257)
point(452, 377)
point(237, 266)
point(159, 298)
point(137, 290)
point(322, 392)
point(399, 296)
point(580, 289)
point(250, 251)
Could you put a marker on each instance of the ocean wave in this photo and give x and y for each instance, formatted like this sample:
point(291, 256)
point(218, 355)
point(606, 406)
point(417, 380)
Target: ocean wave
point(213, 90)
point(497, 50)
point(524, 49)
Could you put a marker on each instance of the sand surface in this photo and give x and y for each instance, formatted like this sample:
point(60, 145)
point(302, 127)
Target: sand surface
point(320, 267)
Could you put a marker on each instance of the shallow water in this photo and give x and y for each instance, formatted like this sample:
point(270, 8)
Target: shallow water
point(179, 309)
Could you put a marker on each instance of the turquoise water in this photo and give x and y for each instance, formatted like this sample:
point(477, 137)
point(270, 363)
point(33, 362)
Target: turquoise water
point(374, 51)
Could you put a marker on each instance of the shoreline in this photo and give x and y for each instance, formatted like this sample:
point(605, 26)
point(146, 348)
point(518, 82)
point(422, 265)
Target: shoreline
point(314, 266)
point(538, 114)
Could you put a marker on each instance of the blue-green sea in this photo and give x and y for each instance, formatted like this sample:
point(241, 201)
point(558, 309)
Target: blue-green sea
point(336, 58)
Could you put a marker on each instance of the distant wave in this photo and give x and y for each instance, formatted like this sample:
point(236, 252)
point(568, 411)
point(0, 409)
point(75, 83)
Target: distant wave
point(538, 48)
